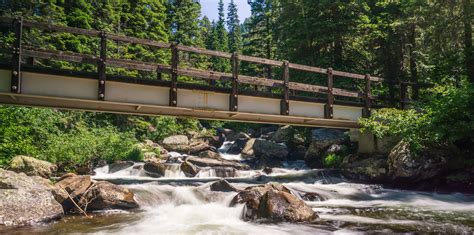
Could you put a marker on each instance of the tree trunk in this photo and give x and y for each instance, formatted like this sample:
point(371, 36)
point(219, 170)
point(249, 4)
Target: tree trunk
point(468, 49)
point(413, 70)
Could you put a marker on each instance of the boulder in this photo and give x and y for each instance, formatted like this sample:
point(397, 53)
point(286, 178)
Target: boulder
point(253, 193)
point(32, 166)
point(104, 195)
point(312, 197)
point(368, 168)
point(273, 203)
point(283, 134)
point(208, 162)
point(247, 150)
point(154, 169)
point(237, 146)
point(74, 185)
point(297, 153)
point(119, 165)
point(225, 172)
point(26, 200)
point(267, 153)
point(403, 165)
point(197, 146)
point(177, 143)
point(267, 170)
point(222, 186)
point(189, 169)
point(323, 139)
point(328, 134)
point(269, 149)
point(210, 154)
point(233, 136)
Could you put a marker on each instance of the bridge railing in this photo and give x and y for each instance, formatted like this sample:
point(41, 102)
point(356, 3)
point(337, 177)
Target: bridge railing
point(20, 51)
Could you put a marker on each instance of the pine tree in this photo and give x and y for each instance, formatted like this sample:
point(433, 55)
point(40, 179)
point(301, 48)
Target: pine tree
point(183, 19)
point(220, 41)
point(233, 24)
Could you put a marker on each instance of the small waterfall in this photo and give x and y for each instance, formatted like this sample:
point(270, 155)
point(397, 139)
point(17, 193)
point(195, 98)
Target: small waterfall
point(225, 148)
point(173, 170)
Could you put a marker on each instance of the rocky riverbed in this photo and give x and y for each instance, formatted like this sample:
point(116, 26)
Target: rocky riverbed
point(270, 181)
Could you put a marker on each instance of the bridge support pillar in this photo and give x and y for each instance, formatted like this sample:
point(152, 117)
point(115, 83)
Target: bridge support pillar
point(368, 143)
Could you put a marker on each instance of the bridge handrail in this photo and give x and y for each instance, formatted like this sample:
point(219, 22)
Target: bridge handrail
point(149, 42)
point(175, 70)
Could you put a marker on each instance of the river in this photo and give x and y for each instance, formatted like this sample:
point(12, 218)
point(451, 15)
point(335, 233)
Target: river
point(175, 204)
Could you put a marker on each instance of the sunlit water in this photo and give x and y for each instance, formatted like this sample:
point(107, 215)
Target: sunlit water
point(181, 207)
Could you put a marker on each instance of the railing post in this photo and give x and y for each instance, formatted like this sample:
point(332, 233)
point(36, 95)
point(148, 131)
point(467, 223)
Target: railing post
point(285, 102)
point(16, 56)
point(101, 64)
point(403, 95)
point(367, 97)
point(329, 107)
point(174, 75)
point(234, 96)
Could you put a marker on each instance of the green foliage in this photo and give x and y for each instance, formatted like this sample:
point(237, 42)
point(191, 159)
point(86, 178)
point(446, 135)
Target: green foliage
point(332, 161)
point(405, 124)
point(448, 117)
point(136, 154)
point(79, 137)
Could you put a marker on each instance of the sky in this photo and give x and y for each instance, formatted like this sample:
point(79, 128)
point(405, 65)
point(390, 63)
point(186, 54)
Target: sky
point(209, 9)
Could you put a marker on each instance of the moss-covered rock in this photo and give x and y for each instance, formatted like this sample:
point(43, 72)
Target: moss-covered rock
point(32, 166)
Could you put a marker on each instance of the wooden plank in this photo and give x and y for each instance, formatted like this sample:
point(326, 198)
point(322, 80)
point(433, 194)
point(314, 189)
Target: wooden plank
point(260, 60)
point(16, 56)
point(60, 55)
point(308, 68)
point(147, 42)
point(205, 51)
point(329, 106)
point(260, 81)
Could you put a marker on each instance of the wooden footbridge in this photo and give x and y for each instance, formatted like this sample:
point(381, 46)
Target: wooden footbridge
point(24, 81)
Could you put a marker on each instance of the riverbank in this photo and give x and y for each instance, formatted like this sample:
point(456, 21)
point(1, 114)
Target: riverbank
point(181, 177)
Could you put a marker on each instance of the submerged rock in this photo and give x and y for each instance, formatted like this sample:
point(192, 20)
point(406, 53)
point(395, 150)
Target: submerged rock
point(119, 165)
point(273, 203)
point(189, 169)
point(154, 169)
point(26, 200)
point(222, 186)
point(208, 162)
point(210, 154)
point(104, 195)
point(225, 172)
point(32, 166)
point(365, 168)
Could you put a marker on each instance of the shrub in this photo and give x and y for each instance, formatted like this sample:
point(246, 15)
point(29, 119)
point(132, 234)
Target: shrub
point(447, 116)
point(332, 161)
point(135, 154)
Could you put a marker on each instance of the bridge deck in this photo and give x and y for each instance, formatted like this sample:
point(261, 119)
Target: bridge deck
point(72, 92)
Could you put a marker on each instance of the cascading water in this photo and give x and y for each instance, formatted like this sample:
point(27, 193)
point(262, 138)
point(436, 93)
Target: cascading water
point(175, 205)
